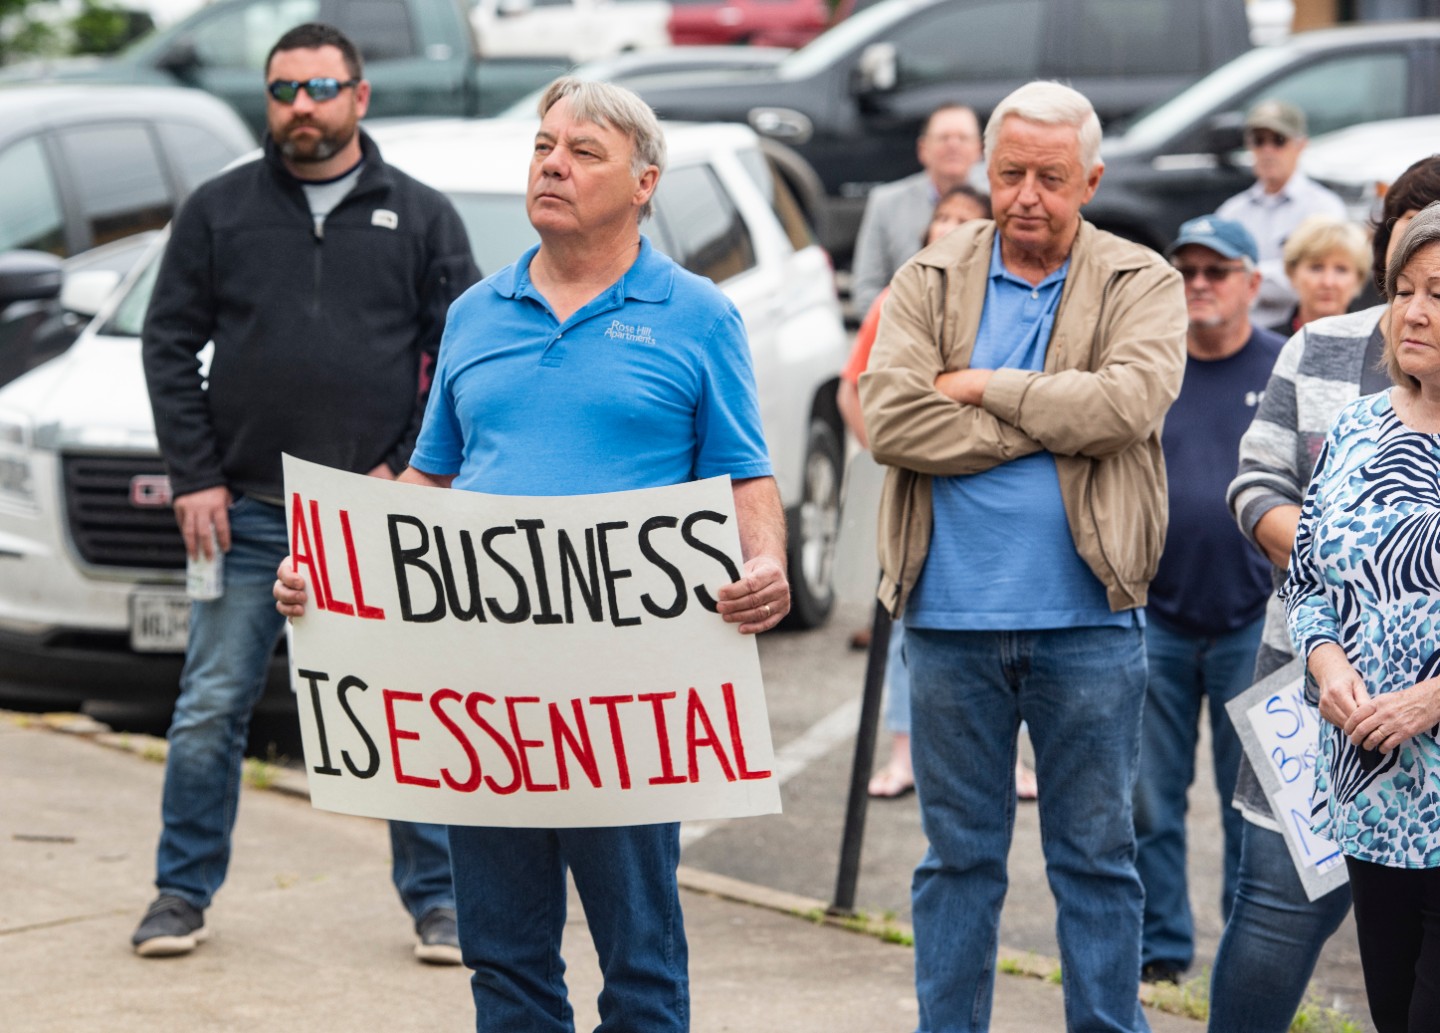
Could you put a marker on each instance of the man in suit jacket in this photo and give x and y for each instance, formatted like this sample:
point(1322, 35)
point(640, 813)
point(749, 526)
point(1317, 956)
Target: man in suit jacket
point(896, 214)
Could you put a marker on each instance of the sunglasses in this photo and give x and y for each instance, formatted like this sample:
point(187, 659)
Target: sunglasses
point(1212, 273)
point(322, 88)
point(1266, 138)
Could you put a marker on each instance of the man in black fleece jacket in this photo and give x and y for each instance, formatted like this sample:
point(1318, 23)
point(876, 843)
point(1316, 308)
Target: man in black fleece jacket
point(323, 277)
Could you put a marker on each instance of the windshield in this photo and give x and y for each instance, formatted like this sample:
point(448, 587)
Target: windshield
point(826, 48)
point(129, 317)
point(1181, 112)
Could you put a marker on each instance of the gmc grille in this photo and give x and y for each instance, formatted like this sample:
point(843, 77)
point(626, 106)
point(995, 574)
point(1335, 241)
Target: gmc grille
point(107, 529)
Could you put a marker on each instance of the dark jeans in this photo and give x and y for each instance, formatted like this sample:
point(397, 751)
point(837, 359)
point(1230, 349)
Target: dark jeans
point(231, 639)
point(1271, 941)
point(1081, 691)
point(510, 893)
point(1185, 670)
point(1397, 916)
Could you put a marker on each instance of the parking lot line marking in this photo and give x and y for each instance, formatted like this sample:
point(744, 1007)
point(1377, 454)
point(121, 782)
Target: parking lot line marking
point(794, 757)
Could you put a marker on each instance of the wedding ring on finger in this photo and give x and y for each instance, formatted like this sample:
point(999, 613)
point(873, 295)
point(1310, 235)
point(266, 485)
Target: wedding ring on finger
point(767, 611)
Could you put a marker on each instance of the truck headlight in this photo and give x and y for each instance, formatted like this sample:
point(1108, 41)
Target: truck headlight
point(17, 482)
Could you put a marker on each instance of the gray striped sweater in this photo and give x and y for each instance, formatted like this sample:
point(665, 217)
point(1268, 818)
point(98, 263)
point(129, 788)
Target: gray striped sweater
point(1328, 364)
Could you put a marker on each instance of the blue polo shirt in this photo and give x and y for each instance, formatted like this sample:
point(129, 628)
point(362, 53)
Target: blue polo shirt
point(1001, 555)
point(647, 385)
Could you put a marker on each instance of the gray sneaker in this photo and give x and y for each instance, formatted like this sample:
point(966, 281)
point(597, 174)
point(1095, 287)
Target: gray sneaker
point(171, 926)
point(437, 939)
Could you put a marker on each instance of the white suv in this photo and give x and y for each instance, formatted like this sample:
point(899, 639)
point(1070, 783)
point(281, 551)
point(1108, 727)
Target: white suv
point(91, 595)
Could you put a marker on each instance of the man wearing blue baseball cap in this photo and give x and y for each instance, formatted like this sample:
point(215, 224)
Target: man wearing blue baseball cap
point(1207, 602)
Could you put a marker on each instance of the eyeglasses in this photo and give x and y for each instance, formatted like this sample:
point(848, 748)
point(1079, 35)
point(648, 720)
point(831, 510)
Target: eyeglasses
point(1265, 138)
point(1212, 273)
point(322, 88)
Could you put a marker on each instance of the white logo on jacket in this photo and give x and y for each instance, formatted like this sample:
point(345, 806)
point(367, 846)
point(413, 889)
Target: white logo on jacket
point(384, 217)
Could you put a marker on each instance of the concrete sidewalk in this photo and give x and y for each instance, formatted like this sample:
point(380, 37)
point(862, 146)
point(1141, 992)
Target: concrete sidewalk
point(308, 934)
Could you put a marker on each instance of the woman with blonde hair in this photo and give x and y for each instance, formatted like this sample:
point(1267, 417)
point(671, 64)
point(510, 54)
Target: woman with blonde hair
point(1327, 260)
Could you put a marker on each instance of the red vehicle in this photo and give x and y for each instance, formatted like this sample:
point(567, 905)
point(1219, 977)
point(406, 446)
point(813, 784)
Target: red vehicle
point(774, 23)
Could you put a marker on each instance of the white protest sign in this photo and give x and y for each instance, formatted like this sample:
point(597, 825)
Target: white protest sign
point(1281, 733)
point(475, 659)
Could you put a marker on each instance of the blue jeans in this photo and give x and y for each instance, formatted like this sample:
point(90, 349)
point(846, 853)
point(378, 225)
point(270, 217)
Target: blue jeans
point(1272, 941)
point(231, 640)
point(897, 683)
point(1081, 690)
point(510, 885)
point(1184, 670)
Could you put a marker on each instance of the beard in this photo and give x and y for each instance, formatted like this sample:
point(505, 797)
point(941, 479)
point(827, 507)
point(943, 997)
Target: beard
point(314, 149)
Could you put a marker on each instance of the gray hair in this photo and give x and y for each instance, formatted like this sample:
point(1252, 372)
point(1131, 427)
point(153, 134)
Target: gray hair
point(1050, 104)
point(613, 107)
point(1423, 231)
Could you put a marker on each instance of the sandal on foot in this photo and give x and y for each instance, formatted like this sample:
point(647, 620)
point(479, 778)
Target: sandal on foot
point(889, 784)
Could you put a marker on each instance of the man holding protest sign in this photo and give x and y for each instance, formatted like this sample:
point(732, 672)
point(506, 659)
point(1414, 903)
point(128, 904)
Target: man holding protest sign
point(1017, 388)
point(322, 276)
point(593, 364)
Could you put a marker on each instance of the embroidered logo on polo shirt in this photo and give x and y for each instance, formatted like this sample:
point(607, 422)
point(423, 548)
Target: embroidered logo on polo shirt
point(618, 331)
point(384, 218)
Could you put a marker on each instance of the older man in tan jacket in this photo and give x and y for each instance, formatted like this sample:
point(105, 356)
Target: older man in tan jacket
point(1017, 389)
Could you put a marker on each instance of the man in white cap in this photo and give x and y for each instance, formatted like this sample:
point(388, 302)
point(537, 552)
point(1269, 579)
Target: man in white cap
point(1281, 198)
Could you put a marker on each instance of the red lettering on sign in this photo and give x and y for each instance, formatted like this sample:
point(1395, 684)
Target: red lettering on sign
point(737, 744)
point(472, 707)
point(335, 605)
point(667, 774)
point(300, 551)
point(617, 737)
point(695, 715)
point(373, 613)
point(473, 782)
point(584, 752)
point(524, 745)
point(396, 734)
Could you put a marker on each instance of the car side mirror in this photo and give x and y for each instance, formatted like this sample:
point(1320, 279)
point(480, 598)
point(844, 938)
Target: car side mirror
point(180, 59)
point(878, 70)
point(1225, 134)
point(29, 276)
point(84, 293)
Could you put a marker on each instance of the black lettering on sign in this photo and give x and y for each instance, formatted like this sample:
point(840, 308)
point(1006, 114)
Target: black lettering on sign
point(404, 559)
point(687, 532)
point(521, 611)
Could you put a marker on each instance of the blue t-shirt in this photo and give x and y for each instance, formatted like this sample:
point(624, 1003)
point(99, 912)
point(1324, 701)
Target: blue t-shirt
point(1211, 580)
point(1001, 554)
point(647, 385)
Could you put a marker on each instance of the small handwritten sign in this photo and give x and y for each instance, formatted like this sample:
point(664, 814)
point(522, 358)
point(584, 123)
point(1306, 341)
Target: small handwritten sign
point(473, 659)
point(1281, 735)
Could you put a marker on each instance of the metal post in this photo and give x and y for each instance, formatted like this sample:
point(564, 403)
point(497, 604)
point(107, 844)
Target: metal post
point(854, 834)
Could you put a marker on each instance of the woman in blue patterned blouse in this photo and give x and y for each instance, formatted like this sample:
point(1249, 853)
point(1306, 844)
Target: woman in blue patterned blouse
point(1363, 602)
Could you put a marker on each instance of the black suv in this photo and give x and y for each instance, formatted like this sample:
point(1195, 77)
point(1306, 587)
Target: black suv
point(852, 102)
point(1186, 156)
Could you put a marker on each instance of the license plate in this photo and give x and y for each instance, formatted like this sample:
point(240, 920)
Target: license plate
point(159, 621)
